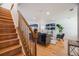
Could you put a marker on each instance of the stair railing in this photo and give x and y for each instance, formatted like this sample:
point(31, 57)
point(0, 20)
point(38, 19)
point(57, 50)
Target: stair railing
point(12, 6)
point(26, 34)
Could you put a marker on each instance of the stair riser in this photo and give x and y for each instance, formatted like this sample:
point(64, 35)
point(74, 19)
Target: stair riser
point(20, 54)
point(7, 18)
point(3, 22)
point(7, 26)
point(5, 14)
point(12, 52)
point(7, 30)
point(9, 43)
point(3, 10)
point(7, 37)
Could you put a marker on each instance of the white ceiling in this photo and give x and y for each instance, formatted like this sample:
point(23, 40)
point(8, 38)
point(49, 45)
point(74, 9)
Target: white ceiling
point(36, 13)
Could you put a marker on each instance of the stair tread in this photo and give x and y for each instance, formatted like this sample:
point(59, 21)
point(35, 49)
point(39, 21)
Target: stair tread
point(5, 14)
point(20, 54)
point(3, 41)
point(4, 50)
point(6, 20)
point(7, 34)
point(3, 17)
point(2, 29)
point(4, 9)
point(7, 28)
point(7, 24)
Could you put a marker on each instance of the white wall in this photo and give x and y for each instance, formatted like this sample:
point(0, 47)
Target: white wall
point(6, 5)
point(68, 20)
point(78, 18)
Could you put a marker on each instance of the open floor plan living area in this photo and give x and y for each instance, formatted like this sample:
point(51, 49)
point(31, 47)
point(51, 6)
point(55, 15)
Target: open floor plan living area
point(39, 29)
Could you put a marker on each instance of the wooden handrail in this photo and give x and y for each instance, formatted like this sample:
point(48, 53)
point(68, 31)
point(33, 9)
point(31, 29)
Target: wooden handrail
point(33, 33)
point(12, 6)
point(25, 22)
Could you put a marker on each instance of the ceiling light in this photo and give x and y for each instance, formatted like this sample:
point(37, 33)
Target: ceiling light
point(71, 9)
point(47, 13)
point(34, 17)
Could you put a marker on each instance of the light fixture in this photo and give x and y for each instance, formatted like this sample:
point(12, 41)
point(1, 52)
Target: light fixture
point(71, 9)
point(34, 18)
point(47, 13)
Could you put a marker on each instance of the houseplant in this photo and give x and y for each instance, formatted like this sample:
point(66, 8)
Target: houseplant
point(60, 30)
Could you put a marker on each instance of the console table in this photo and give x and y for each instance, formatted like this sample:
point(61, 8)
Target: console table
point(44, 38)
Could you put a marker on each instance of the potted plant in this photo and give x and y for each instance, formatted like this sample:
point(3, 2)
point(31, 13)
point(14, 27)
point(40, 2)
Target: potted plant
point(60, 29)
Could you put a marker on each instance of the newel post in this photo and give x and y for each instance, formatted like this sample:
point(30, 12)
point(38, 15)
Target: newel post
point(35, 37)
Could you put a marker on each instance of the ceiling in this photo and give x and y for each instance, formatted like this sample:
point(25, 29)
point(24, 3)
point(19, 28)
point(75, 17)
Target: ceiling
point(44, 12)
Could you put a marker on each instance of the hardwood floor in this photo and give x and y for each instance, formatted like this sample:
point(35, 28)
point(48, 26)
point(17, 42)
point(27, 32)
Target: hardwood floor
point(51, 50)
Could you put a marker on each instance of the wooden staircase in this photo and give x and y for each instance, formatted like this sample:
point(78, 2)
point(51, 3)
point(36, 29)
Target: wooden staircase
point(9, 42)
